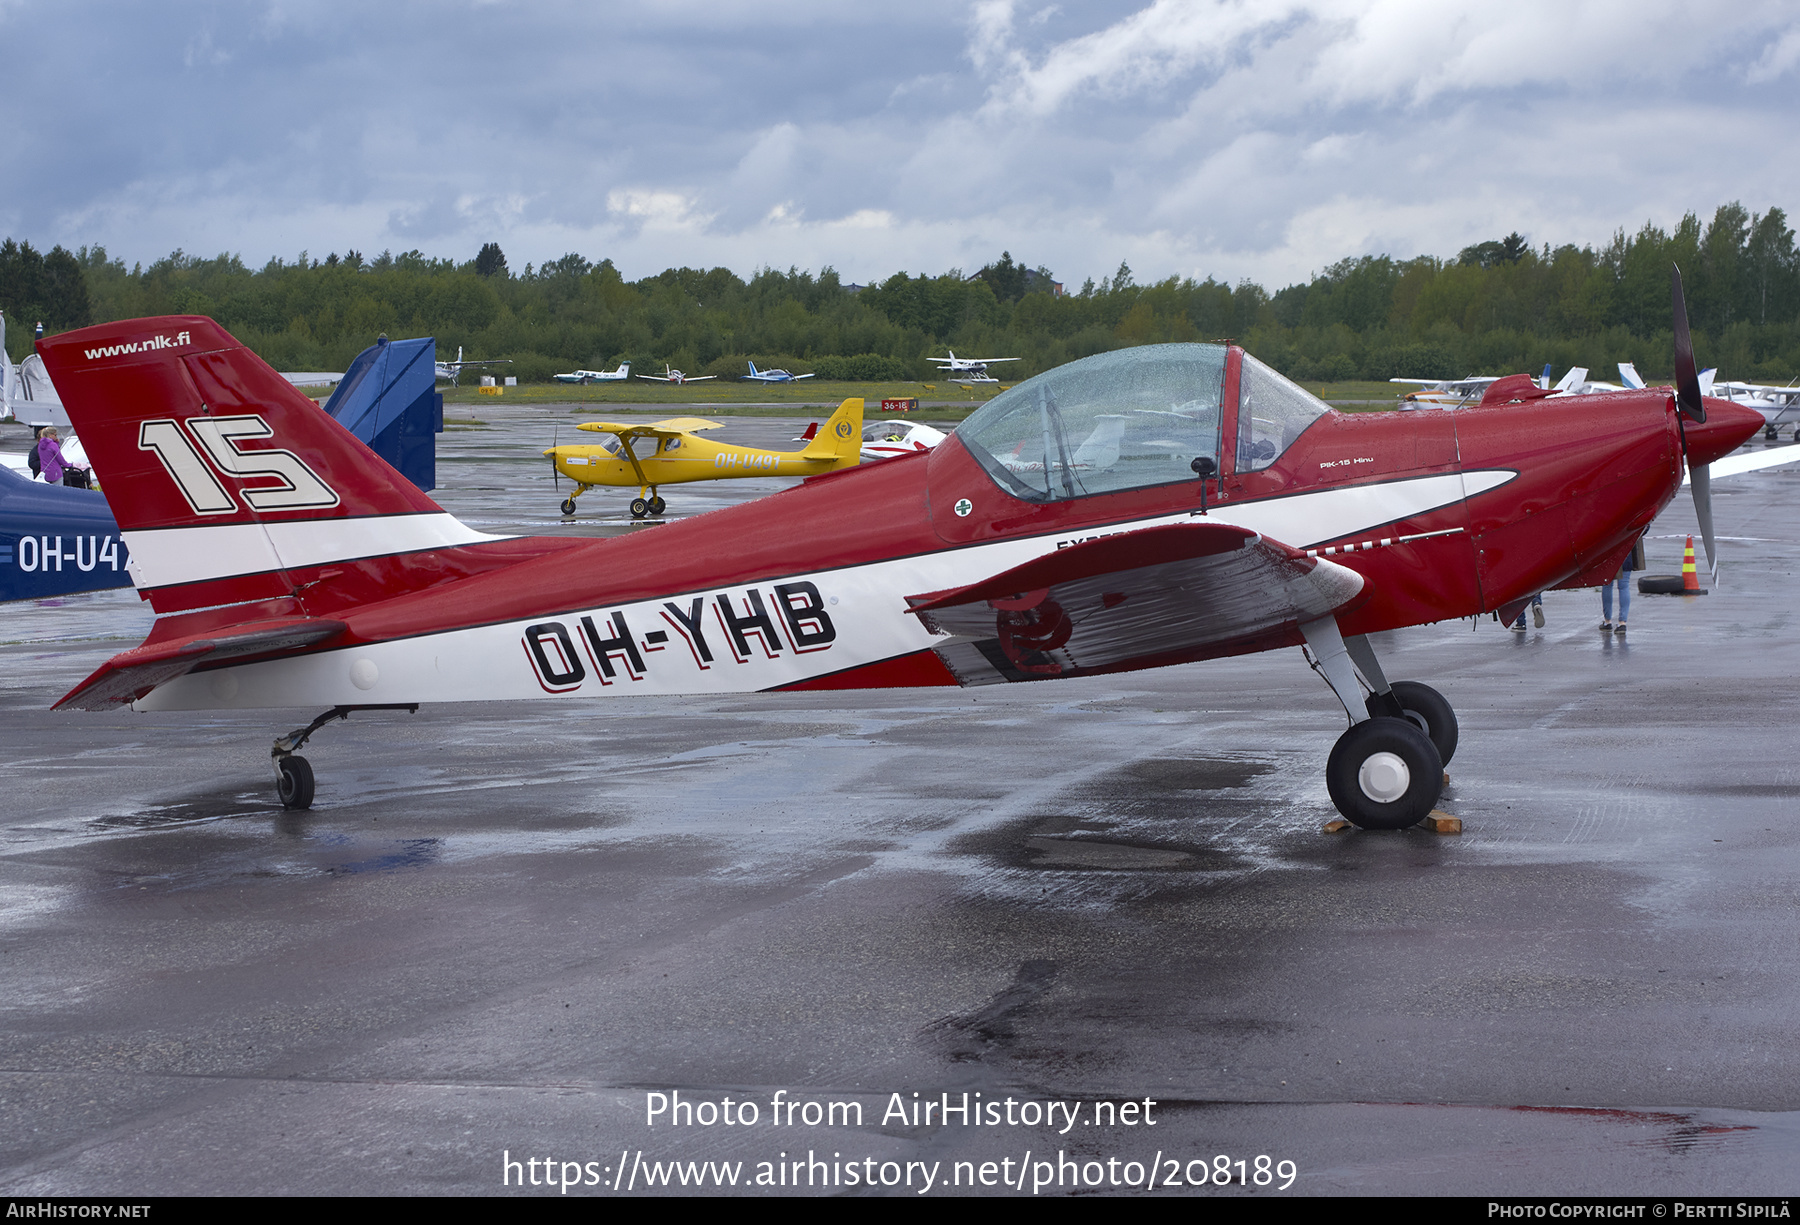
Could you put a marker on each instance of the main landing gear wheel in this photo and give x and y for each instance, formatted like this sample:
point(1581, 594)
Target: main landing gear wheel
point(568, 506)
point(1384, 774)
point(294, 782)
point(1426, 709)
point(639, 508)
point(657, 506)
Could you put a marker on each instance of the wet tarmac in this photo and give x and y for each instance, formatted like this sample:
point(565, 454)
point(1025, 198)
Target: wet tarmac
point(508, 932)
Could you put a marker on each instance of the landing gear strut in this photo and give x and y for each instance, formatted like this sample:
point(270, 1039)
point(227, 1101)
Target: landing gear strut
point(293, 773)
point(1387, 771)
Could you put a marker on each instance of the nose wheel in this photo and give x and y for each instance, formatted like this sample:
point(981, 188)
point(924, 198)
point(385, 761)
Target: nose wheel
point(568, 506)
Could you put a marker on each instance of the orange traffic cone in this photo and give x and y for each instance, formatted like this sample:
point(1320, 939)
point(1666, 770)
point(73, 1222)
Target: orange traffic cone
point(1690, 574)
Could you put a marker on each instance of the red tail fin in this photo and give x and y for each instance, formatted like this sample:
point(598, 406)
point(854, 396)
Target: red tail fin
point(228, 485)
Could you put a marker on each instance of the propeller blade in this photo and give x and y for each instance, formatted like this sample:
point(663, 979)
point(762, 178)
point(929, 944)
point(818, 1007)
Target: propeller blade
point(1701, 477)
point(556, 477)
point(1687, 380)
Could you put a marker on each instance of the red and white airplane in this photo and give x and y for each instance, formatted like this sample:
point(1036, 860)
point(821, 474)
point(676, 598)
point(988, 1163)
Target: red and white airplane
point(1139, 508)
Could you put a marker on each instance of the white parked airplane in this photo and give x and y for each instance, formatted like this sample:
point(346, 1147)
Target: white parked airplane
point(585, 377)
point(1446, 393)
point(676, 378)
point(1774, 403)
point(451, 370)
point(887, 439)
point(773, 376)
point(969, 369)
point(1577, 383)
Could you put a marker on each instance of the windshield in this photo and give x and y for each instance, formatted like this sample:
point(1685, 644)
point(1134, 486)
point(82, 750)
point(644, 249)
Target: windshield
point(1121, 420)
point(1272, 412)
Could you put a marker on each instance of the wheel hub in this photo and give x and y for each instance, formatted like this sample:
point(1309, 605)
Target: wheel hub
point(1384, 777)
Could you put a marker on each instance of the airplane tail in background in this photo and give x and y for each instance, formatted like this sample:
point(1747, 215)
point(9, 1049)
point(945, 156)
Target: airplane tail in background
point(753, 368)
point(841, 437)
point(1571, 381)
point(229, 485)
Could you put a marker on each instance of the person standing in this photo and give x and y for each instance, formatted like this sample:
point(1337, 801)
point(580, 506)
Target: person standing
point(51, 464)
point(1633, 561)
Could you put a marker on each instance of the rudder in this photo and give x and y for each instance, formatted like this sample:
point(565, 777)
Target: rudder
point(841, 437)
point(221, 475)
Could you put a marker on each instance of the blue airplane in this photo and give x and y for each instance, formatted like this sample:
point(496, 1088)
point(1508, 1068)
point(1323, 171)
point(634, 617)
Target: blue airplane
point(56, 541)
point(773, 376)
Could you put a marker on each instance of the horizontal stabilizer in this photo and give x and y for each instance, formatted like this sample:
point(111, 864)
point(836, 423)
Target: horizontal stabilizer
point(1160, 594)
point(129, 675)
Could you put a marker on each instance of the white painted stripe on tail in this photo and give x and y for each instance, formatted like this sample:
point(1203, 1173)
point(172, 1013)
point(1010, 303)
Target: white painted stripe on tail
point(167, 556)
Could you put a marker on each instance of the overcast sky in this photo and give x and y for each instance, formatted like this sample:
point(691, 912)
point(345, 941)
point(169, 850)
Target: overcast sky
point(1261, 139)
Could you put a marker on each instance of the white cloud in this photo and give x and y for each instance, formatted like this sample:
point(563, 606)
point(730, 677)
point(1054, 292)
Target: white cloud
point(1780, 56)
point(662, 210)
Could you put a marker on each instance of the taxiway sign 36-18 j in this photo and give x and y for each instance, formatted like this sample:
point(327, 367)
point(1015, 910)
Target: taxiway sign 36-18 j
point(1144, 507)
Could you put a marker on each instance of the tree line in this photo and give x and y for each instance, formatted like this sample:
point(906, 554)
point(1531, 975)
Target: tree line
point(1496, 307)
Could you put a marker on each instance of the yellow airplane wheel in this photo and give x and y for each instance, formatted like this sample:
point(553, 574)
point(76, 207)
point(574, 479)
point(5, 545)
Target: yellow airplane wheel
point(639, 508)
point(568, 506)
point(657, 506)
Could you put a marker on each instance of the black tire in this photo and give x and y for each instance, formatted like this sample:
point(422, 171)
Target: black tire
point(568, 506)
point(1661, 584)
point(1404, 774)
point(657, 506)
point(1426, 709)
point(639, 508)
point(1769, 435)
point(294, 782)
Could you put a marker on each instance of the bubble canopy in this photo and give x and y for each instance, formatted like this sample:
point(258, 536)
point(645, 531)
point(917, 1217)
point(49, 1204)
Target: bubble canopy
point(1131, 419)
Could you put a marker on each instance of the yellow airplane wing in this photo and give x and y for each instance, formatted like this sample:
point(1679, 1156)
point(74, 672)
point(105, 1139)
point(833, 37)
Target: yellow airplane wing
point(673, 427)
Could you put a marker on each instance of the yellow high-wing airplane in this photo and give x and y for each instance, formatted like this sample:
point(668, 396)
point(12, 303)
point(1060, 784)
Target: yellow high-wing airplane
point(670, 452)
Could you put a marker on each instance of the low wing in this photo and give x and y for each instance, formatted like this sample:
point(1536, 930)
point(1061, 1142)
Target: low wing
point(1156, 595)
point(697, 378)
point(1751, 461)
point(674, 427)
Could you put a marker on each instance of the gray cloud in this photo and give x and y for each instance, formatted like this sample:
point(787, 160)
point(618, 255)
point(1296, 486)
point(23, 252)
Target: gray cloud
point(1258, 138)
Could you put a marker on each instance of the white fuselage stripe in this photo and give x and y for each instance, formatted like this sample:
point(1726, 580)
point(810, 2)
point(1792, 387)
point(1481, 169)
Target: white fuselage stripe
point(168, 556)
point(863, 603)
